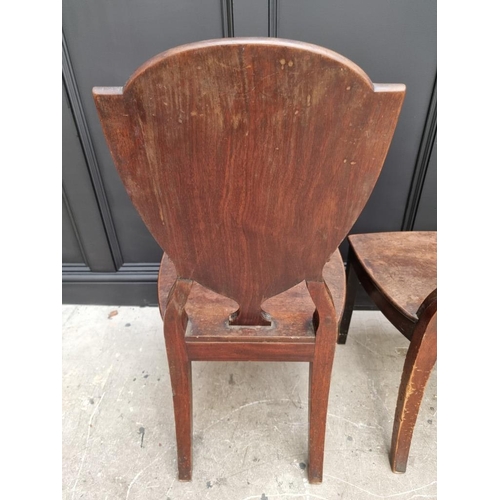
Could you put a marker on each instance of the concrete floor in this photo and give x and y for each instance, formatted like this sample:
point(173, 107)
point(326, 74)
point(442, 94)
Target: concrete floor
point(250, 419)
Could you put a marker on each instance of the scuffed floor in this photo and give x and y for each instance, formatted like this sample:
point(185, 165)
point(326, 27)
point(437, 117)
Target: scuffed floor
point(250, 419)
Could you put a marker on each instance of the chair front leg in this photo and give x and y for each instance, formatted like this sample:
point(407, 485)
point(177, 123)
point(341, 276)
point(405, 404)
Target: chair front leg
point(174, 325)
point(320, 371)
point(419, 362)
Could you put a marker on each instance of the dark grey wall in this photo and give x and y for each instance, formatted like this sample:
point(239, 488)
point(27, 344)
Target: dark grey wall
point(106, 42)
point(426, 216)
point(394, 42)
point(108, 254)
point(71, 252)
point(250, 18)
point(83, 230)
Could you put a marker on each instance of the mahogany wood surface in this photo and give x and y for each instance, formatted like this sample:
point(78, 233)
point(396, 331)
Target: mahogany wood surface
point(174, 325)
point(419, 362)
point(291, 311)
point(249, 160)
point(320, 371)
point(402, 265)
point(399, 273)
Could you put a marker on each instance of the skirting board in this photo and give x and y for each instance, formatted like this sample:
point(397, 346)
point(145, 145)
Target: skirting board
point(127, 288)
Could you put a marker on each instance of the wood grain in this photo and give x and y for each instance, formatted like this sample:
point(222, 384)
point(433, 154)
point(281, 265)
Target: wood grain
point(399, 273)
point(402, 264)
point(249, 159)
point(174, 326)
point(250, 351)
point(320, 370)
point(419, 362)
point(291, 311)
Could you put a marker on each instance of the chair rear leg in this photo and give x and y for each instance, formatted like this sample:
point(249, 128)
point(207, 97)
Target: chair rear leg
point(175, 322)
point(319, 388)
point(181, 389)
point(320, 371)
point(351, 288)
point(418, 366)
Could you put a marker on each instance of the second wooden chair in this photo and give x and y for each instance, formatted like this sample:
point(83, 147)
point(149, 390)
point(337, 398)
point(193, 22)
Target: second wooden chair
point(398, 271)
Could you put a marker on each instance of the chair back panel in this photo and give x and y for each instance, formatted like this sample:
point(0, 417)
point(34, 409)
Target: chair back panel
point(249, 160)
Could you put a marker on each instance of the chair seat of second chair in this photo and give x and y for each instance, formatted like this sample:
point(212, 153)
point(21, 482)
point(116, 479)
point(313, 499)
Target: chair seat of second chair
point(398, 271)
point(291, 312)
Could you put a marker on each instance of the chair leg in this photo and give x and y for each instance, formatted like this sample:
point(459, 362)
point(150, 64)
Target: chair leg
point(319, 388)
point(320, 371)
point(175, 322)
point(351, 288)
point(418, 366)
point(181, 389)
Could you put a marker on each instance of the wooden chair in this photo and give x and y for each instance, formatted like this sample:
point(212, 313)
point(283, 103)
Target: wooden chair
point(398, 271)
point(249, 160)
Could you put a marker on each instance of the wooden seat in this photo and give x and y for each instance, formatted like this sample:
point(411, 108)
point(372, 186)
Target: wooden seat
point(249, 160)
point(291, 312)
point(399, 273)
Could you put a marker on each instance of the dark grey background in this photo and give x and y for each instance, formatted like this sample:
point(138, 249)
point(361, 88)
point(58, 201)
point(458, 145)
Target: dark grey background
point(109, 256)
